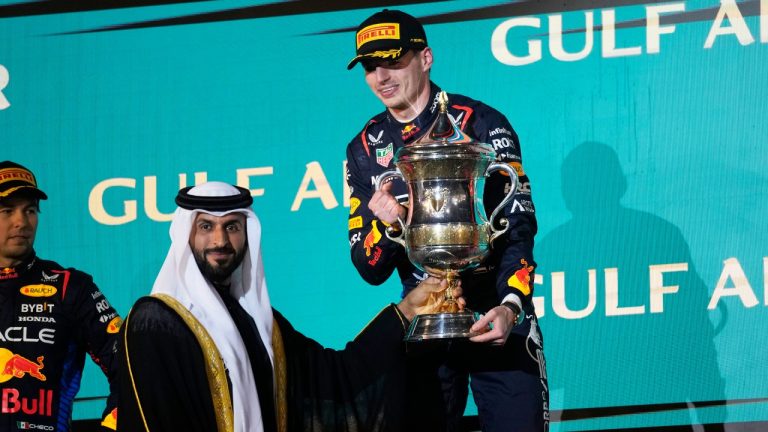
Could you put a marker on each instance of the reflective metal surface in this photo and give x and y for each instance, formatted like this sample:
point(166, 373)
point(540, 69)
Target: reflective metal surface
point(441, 326)
point(441, 247)
point(446, 230)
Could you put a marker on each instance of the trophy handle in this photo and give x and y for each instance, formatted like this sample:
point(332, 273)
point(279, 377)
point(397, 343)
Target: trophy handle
point(514, 182)
point(393, 232)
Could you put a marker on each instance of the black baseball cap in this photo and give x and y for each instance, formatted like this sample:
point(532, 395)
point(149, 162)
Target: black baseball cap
point(15, 178)
point(388, 35)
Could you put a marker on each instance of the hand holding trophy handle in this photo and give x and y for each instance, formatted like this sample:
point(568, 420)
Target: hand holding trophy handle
point(394, 232)
point(514, 183)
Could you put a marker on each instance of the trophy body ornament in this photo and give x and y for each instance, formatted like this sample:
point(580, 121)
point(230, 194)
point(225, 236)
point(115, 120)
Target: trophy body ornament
point(446, 230)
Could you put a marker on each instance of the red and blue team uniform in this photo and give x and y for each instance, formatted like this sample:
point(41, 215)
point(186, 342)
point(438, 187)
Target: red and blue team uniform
point(506, 275)
point(50, 317)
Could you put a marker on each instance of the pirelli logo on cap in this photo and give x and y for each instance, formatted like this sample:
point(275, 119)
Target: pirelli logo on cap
point(377, 32)
point(11, 174)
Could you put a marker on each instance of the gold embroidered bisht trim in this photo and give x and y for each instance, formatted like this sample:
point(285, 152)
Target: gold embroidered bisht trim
point(216, 373)
point(214, 365)
point(281, 379)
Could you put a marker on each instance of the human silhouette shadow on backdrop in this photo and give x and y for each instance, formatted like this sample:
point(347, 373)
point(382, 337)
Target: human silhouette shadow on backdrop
point(630, 348)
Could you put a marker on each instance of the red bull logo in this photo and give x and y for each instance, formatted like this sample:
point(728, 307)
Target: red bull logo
point(376, 255)
point(372, 238)
point(39, 290)
point(521, 279)
point(409, 131)
point(12, 402)
point(8, 273)
point(16, 366)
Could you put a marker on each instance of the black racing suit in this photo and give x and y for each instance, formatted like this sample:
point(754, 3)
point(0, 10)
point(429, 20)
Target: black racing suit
point(509, 268)
point(49, 318)
point(376, 257)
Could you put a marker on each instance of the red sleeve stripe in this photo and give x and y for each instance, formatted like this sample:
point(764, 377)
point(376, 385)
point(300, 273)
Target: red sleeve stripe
point(365, 141)
point(468, 114)
point(66, 282)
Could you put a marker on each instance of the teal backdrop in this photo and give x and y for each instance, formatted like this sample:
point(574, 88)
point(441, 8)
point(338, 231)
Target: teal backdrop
point(643, 129)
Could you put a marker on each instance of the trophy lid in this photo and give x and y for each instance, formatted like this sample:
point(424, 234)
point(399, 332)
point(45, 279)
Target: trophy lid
point(444, 140)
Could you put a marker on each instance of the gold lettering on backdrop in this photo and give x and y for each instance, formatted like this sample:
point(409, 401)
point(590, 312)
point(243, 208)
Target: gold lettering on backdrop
point(96, 202)
point(130, 207)
point(737, 26)
point(508, 45)
point(315, 175)
point(150, 201)
point(733, 272)
point(733, 286)
point(244, 178)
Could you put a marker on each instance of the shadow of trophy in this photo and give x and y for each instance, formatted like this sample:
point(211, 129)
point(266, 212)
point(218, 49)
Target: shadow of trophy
point(446, 230)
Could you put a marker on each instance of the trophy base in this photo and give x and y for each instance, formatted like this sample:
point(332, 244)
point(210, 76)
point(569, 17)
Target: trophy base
point(454, 325)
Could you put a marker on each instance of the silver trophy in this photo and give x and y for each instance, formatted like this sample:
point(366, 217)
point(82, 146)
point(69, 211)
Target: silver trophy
point(446, 230)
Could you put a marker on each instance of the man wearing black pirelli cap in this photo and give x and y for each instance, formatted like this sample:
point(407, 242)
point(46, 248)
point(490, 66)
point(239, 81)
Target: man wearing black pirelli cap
point(50, 316)
point(505, 366)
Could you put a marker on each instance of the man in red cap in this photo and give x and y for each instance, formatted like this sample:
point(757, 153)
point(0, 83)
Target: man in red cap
point(50, 316)
point(507, 370)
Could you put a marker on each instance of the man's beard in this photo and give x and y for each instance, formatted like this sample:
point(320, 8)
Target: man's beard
point(221, 272)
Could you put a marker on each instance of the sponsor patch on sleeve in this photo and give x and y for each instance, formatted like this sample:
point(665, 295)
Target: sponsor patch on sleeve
point(114, 325)
point(518, 167)
point(521, 279)
point(354, 203)
point(356, 222)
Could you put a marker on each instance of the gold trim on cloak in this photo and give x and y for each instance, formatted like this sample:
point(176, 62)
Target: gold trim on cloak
point(216, 372)
point(281, 378)
point(130, 371)
point(214, 365)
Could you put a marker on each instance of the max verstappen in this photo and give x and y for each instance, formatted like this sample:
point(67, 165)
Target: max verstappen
point(49, 318)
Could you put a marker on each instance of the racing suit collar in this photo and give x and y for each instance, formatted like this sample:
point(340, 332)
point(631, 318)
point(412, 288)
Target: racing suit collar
point(412, 130)
point(22, 267)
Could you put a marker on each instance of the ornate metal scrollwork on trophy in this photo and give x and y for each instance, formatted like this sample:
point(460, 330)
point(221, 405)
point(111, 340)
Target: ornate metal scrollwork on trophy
point(446, 230)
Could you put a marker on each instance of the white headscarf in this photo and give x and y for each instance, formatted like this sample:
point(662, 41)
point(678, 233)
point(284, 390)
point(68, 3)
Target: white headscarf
point(181, 278)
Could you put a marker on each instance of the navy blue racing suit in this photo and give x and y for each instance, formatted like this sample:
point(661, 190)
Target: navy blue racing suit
point(506, 275)
point(49, 318)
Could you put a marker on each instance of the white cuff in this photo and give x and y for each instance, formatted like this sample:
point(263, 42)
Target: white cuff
point(513, 298)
